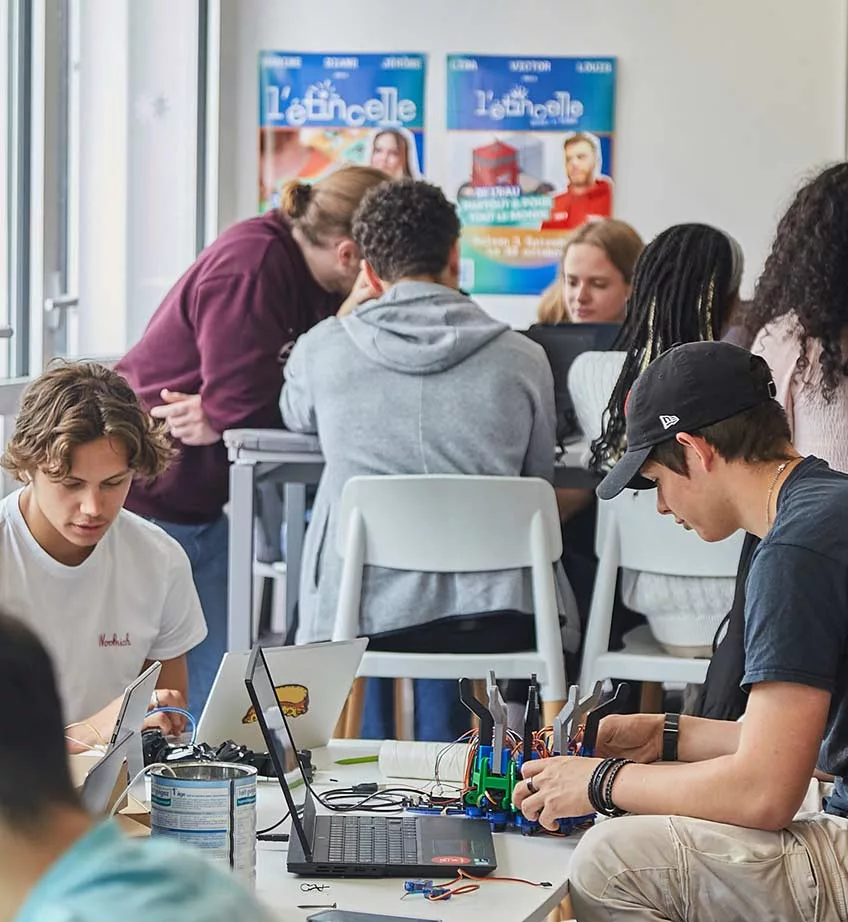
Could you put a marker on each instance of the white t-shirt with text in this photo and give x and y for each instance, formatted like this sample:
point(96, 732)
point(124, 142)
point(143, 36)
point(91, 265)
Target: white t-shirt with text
point(131, 600)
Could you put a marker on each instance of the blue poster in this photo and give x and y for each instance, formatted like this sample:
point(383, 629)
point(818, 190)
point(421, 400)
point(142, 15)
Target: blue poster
point(318, 111)
point(531, 158)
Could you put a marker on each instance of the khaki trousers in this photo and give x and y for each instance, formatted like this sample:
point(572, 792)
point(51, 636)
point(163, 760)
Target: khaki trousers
point(672, 867)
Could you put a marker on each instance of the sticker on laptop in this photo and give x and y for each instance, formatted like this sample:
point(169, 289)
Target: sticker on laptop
point(294, 700)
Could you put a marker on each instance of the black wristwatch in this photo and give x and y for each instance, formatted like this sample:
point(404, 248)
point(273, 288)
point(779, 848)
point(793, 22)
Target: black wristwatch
point(671, 728)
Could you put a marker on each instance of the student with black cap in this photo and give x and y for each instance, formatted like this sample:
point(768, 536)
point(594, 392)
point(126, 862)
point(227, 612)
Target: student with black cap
point(719, 835)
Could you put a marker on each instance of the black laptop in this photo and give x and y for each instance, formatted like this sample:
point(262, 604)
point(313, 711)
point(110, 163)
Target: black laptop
point(562, 343)
point(345, 845)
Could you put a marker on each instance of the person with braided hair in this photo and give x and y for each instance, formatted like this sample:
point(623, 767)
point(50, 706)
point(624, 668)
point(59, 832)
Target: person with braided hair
point(685, 289)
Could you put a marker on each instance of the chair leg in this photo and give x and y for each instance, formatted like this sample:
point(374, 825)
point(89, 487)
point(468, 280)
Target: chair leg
point(404, 709)
point(341, 723)
point(651, 699)
point(550, 709)
point(353, 710)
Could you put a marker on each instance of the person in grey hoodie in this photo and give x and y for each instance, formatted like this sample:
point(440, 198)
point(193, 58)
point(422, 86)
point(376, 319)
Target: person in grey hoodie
point(419, 381)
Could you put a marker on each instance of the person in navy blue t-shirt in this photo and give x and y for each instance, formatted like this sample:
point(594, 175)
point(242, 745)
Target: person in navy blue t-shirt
point(720, 835)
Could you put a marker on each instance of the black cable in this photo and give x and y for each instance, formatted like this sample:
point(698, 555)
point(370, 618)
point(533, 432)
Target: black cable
point(261, 832)
point(389, 800)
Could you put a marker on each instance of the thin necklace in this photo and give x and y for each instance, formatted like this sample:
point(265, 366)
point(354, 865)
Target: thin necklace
point(780, 469)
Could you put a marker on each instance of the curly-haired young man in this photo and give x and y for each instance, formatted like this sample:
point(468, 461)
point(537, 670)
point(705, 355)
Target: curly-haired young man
point(106, 591)
point(419, 381)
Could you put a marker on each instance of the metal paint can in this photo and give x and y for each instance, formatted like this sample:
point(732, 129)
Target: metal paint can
point(209, 805)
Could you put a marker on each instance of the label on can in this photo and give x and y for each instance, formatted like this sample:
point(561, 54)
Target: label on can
point(217, 815)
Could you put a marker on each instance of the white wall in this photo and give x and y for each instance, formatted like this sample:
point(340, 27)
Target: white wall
point(723, 106)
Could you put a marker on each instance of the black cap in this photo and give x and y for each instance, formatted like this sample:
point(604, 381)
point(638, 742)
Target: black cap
point(682, 390)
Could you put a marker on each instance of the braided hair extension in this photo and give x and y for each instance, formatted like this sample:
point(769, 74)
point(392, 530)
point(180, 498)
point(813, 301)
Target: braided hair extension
point(807, 272)
point(681, 294)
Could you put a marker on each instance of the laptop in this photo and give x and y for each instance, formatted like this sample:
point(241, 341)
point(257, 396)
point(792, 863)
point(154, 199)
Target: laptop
point(136, 701)
point(103, 776)
point(312, 683)
point(346, 845)
point(125, 743)
point(562, 343)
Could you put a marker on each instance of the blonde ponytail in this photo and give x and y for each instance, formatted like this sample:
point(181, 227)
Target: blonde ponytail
point(324, 210)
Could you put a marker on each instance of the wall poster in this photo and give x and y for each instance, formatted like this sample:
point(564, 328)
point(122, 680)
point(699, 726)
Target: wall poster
point(530, 144)
point(318, 111)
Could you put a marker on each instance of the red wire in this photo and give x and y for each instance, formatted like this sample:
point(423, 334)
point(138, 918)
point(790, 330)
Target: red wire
point(471, 887)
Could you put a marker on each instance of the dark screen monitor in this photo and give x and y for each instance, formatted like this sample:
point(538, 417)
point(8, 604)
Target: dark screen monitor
point(562, 343)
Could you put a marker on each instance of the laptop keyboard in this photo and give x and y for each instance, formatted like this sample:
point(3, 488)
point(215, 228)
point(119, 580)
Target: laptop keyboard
point(373, 840)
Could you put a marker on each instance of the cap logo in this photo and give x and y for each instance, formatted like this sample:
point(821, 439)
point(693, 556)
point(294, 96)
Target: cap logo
point(669, 421)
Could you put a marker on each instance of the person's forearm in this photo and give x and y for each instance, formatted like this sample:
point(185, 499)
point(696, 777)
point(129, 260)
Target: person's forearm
point(723, 790)
point(700, 739)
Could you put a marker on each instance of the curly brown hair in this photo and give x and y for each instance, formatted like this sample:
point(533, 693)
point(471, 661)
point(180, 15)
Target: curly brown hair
point(406, 228)
point(807, 272)
point(74, 403)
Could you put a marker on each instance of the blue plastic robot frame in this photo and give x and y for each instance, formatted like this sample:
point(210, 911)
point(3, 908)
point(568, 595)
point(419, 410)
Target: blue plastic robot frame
point(498, 753)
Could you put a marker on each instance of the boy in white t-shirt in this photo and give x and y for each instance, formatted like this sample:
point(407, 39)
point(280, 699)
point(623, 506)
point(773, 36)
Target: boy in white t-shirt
point(106, 591)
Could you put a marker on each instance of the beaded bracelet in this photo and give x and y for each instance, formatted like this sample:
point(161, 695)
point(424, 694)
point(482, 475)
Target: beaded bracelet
point(596, 782)
point(609, 804)
point(600, 786)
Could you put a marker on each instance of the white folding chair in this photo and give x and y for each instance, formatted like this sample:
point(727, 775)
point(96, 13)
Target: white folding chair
point(632, 534)
point(454, 524)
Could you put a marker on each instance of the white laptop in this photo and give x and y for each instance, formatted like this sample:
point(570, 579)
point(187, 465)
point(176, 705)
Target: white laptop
point(312, 682)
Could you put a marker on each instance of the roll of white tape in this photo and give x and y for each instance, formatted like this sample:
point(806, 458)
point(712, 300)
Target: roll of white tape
point(425, 761)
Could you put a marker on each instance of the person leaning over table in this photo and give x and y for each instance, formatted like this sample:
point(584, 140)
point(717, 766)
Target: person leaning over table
point(211, 359)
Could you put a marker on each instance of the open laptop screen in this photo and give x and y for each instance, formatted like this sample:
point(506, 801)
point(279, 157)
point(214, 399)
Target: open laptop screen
point(562, 343)
point(275, 730)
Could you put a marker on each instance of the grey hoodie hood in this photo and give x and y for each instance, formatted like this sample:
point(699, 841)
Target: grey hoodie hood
point(420, 328)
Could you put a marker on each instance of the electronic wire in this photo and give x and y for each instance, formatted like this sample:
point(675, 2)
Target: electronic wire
point(170, 710)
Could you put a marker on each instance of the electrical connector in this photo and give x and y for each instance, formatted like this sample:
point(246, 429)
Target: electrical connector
point(417, 885)
point(369, 787)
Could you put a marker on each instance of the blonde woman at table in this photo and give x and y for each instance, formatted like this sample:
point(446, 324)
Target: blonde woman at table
point(594, 276)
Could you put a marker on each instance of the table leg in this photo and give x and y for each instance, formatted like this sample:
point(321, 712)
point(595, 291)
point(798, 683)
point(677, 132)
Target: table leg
point(240, 583)
point(295, 519)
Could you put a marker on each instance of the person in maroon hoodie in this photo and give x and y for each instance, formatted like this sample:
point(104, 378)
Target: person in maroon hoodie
point(211, 359)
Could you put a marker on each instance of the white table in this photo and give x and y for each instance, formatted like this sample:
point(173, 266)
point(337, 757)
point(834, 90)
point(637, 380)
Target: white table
point(296, 462)
point(533, 858)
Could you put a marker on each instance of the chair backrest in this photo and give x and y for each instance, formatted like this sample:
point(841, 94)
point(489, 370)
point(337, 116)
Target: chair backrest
point(449, 523)
point(591, 381)
point(653, 543)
